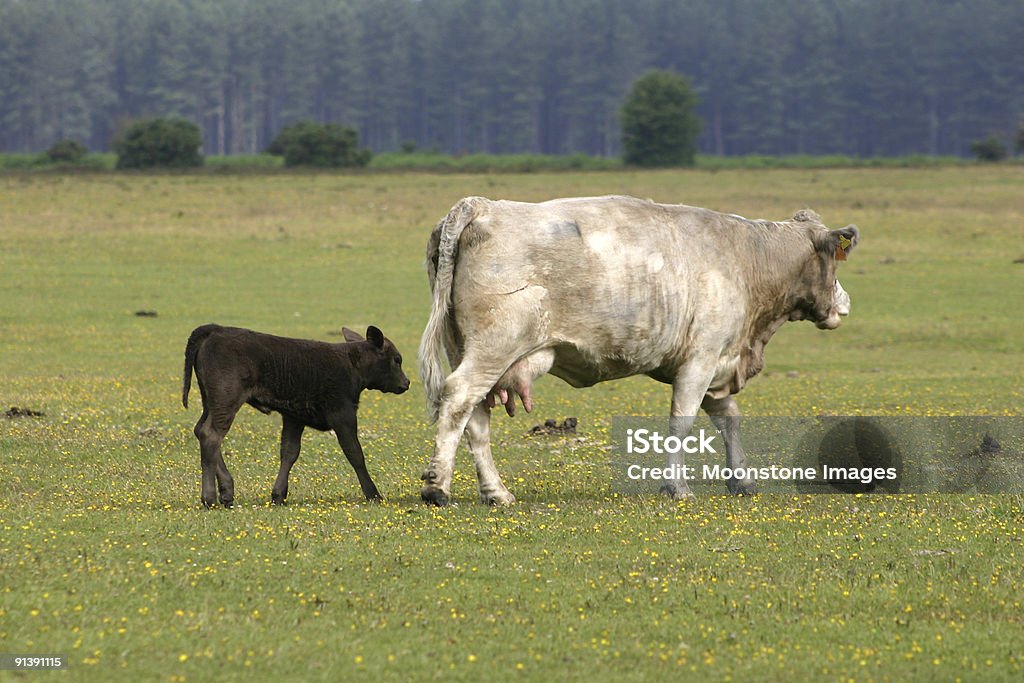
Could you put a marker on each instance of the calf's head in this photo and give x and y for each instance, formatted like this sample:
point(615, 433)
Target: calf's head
point(379, 363)
point(824, 301)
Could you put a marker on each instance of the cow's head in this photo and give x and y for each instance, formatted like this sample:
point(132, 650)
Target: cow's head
point(824, 301)
point(379, 364)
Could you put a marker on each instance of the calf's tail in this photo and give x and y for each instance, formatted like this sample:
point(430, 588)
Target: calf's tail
point(195, 340)
point(442, 250)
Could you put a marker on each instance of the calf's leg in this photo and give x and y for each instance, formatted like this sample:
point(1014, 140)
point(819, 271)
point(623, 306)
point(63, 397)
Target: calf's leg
point(344, 425)
point(291, 442)
point(211, 429)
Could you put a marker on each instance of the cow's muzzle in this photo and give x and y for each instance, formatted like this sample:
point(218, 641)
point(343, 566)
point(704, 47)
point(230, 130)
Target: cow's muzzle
point(840, 309)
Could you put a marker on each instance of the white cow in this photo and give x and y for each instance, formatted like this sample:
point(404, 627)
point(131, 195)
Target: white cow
point(598, 288)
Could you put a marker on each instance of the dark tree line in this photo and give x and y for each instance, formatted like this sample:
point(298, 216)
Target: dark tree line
point(863, 77)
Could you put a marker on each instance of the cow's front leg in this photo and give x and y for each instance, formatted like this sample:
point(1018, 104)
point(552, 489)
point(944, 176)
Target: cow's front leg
point(725, 414)
point(478, 433)
point(345, 427)
point(679, 427)
point(687, 390)
point(291, 442)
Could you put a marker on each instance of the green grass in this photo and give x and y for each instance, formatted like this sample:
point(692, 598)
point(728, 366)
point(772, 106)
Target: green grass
point(107, 557)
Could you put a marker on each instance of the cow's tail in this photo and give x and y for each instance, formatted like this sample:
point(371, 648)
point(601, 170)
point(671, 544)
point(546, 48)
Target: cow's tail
point(195, 340)
point(439, 335)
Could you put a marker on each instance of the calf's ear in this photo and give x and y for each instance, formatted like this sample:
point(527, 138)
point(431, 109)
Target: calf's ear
point(375, 336)
point(351, 335)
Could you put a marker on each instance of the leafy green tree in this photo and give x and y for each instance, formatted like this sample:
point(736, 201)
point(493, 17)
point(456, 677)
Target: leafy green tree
point(659, 124)
point(67, 150)
point(989, 149)
point(168, 143)
point(326, 145)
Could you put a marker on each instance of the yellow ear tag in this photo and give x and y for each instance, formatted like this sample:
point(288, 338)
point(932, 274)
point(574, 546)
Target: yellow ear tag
point(844, 244)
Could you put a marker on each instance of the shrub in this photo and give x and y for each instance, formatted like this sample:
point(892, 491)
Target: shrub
point(659, 126)
point(325, 145)
point(989, 149)
point(70, 151)
point(164, 143)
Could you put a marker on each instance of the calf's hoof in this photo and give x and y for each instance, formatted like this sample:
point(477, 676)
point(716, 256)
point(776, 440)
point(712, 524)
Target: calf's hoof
point(228, 503)
point(434, 497)
point(372, 494)
point(742, 488)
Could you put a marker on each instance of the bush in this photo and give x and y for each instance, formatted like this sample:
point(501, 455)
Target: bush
point(164, 143)
point(70, 151)
point(989, 149)
point(325, 145)
point(659, 126)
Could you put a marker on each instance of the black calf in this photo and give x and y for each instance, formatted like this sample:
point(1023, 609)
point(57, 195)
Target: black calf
point(311, 383)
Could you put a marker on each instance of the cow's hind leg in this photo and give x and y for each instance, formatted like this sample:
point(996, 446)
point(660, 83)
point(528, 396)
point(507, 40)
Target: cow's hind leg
point(478, 433)
point(725, 414)
point(516, 381)
point(291, 442)
point(464, 389)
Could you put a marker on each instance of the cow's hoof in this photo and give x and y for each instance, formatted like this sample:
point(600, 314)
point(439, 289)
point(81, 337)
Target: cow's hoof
point(277, 500)
point(742, 488)
point(495, 498)
point(375, 498)
point(675, 494)
point(228, 503)
point(434, 497)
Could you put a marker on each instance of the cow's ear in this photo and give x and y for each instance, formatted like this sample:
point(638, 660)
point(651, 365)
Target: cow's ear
point(842, 241)
point(375, 336)
point(351, 335)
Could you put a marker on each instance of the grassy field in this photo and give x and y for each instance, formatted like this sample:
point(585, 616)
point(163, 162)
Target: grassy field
point(107, 557)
